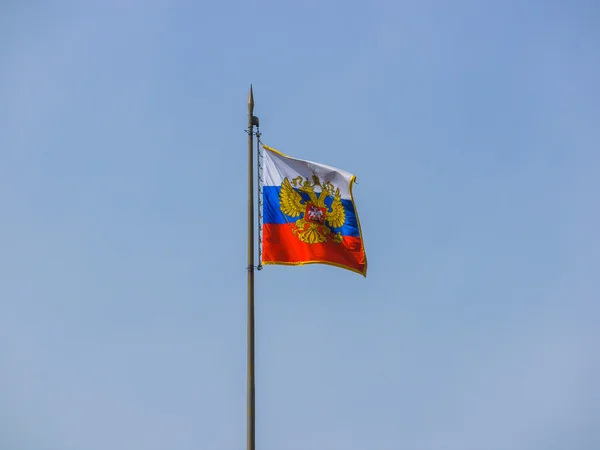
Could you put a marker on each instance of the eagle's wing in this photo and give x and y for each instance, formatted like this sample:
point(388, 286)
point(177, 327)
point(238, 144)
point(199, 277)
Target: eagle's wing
point(290, 200)
point(337, 216)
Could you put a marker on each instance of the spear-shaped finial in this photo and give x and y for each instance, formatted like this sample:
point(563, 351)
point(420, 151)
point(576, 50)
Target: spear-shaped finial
point(251, 102)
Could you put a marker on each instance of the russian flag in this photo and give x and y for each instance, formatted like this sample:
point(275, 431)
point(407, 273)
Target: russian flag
point(309, 215)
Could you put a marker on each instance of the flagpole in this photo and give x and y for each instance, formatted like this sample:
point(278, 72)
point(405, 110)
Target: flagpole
point(252, 120)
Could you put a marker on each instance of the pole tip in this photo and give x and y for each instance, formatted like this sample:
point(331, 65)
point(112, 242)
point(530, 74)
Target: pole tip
point(250, 101)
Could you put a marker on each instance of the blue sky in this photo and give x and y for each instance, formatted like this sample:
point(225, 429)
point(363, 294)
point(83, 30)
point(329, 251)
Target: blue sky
point(473, 130)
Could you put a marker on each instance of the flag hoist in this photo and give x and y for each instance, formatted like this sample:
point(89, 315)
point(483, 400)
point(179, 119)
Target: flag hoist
point(308, 216)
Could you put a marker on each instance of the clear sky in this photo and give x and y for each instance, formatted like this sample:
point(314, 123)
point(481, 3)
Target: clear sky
point(473, 130)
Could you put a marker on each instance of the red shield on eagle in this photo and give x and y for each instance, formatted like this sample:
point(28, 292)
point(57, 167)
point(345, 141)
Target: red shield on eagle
point(315, 214)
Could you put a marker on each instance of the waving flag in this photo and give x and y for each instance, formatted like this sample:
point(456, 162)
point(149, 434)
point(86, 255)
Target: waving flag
point(309, 214)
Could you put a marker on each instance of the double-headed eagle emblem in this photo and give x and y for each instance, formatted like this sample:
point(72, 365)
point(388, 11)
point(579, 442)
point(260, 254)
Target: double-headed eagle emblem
point(315, 215)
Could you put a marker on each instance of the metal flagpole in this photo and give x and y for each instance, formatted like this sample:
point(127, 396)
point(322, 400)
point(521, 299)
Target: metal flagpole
point(252, 121)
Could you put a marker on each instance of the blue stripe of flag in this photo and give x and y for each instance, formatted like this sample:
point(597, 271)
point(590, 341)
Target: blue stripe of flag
point(273, 214)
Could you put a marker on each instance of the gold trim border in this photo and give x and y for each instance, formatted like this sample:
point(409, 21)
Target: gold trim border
point(305, 263)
